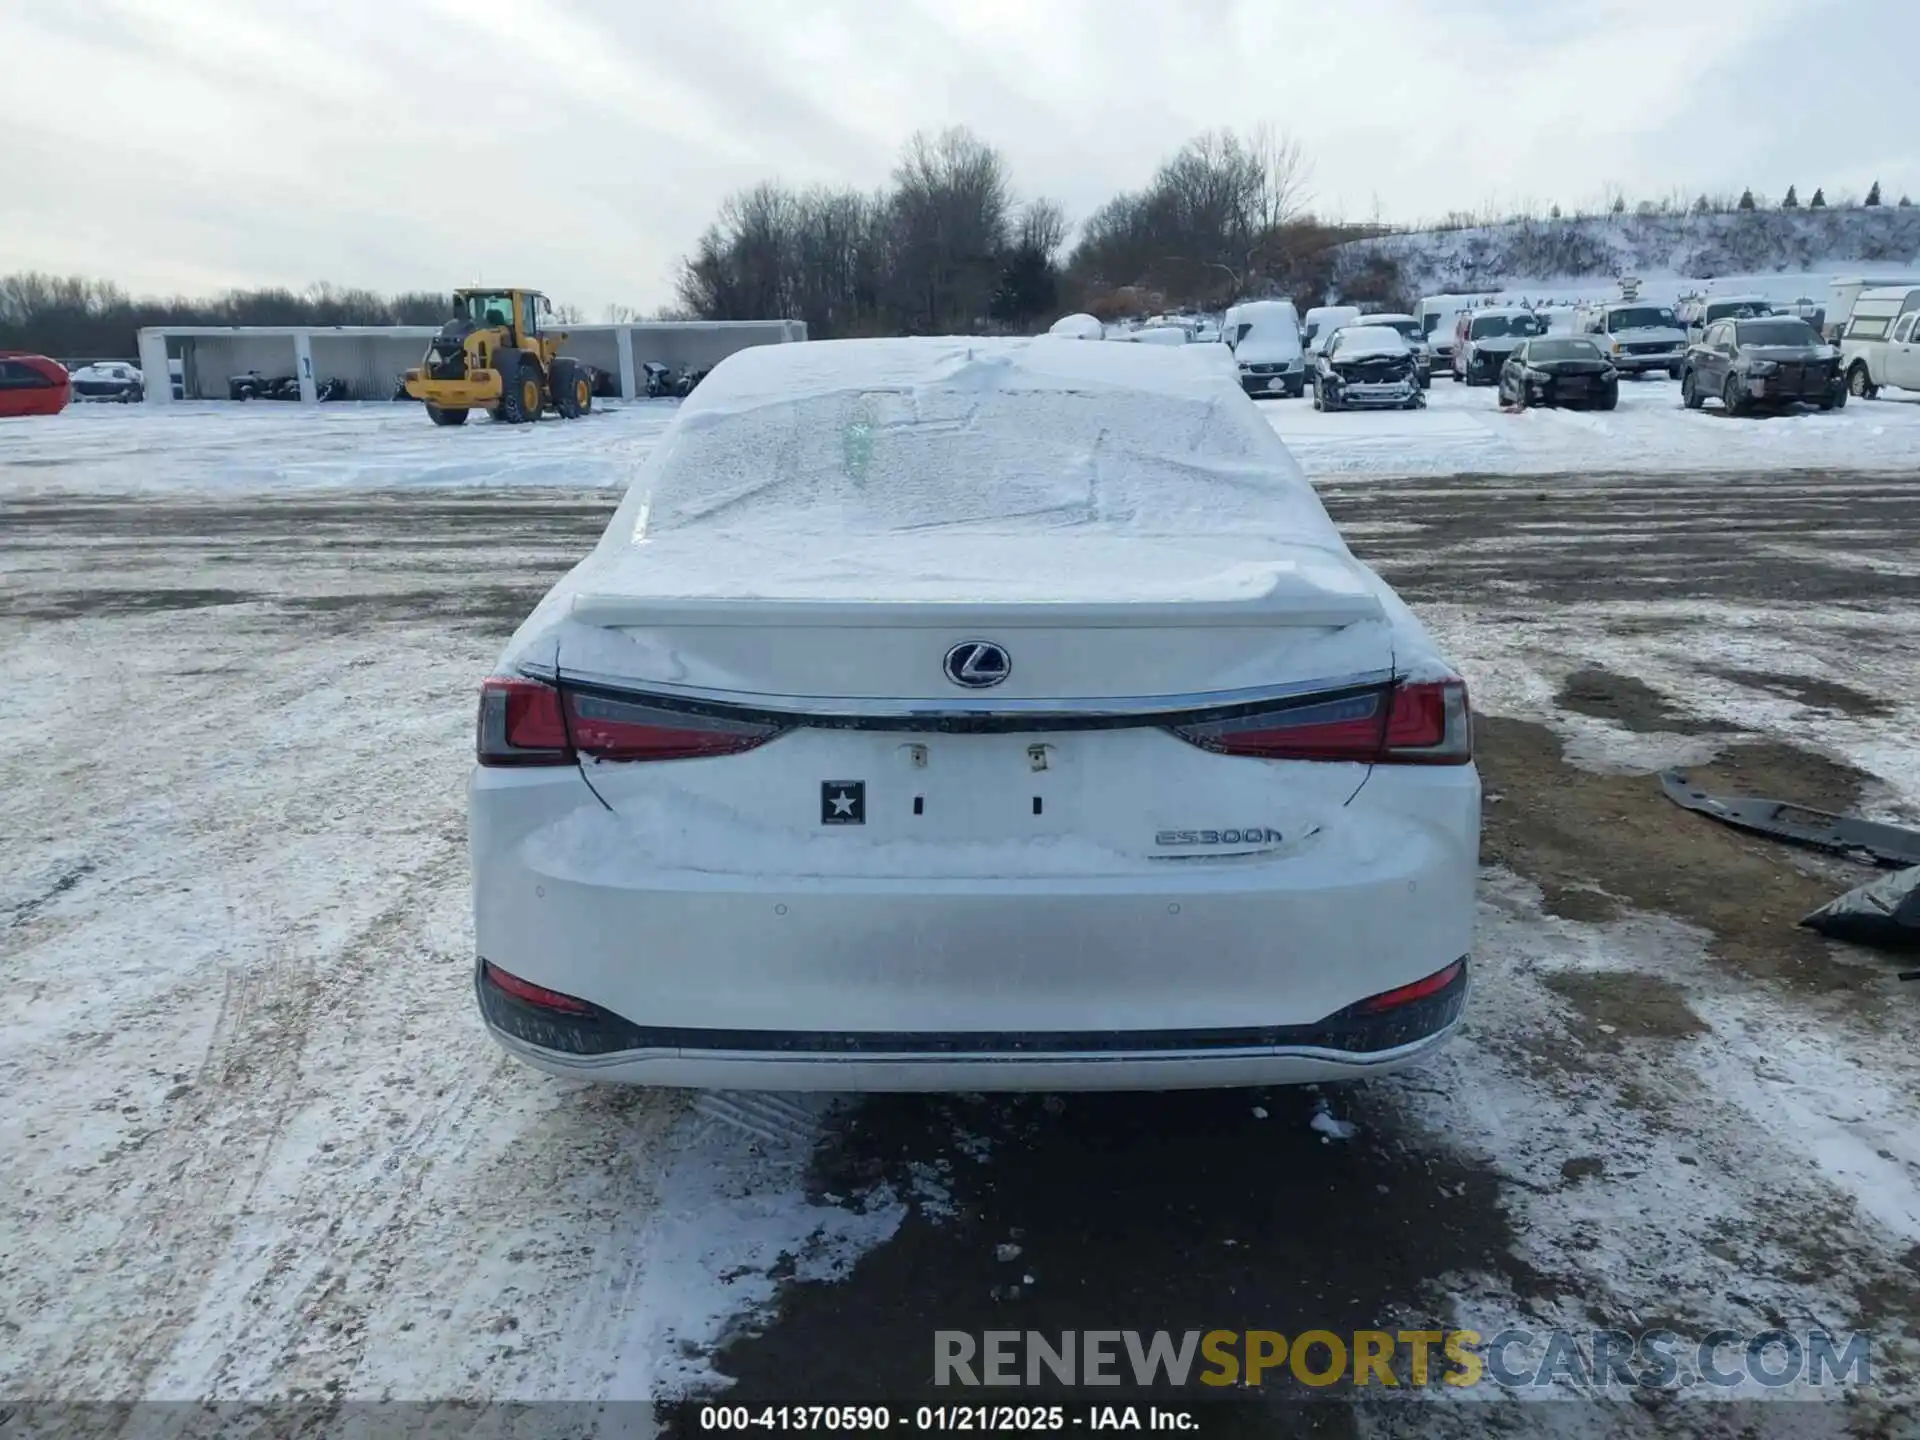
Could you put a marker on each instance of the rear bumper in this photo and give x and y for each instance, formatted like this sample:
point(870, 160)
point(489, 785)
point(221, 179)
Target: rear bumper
point(1211, 971)
point(604, 1046)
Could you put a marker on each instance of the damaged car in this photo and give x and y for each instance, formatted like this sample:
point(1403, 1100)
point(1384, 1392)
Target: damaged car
point(1559, 370)
point(1767, 363)
point(1416, 339)
point(884, 778)
point(1366, 365)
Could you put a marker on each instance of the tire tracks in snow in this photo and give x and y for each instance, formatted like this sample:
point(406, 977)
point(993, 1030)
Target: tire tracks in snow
point(215, 1160)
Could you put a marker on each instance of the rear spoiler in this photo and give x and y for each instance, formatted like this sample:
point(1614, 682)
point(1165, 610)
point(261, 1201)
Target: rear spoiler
point(626, 611)
point(1309, 607)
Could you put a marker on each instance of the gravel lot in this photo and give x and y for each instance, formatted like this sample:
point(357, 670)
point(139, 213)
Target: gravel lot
point(258, 1147)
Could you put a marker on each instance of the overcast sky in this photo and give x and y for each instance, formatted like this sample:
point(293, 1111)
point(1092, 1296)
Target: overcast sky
point(580, 147)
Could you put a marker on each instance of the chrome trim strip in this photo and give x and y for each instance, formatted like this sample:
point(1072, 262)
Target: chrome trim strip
point(586, 1064)
point(960, 706)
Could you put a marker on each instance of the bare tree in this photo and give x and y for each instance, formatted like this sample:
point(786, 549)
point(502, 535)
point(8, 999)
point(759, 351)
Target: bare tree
point(951, 204)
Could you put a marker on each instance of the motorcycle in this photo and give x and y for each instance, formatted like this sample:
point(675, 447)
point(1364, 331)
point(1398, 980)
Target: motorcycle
point(659, 380)
point(688, 380)
point(255, 386)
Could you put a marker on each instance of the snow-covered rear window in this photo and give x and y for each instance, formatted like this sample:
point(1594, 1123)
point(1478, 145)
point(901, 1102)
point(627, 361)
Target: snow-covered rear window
point(1487, 326)
point(927, 456)
point(1777, 332)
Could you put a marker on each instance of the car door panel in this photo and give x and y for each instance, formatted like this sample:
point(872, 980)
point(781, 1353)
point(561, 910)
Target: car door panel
point(1903, 354)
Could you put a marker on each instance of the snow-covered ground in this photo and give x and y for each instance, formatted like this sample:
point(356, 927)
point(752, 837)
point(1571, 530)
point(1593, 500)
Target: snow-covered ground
point(214, 446)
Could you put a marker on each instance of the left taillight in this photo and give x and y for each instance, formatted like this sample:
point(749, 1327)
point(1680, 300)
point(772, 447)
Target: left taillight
point(521, 723)
point(528, 722)
point(1427, 723)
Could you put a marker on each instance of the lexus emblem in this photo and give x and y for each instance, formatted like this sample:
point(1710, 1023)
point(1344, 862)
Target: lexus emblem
point(977, 664)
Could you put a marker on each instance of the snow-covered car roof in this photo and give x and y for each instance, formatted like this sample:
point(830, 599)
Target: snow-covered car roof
point(1388, 318)
point(1369, 340)
point(1079, 326)
point(1157, 335)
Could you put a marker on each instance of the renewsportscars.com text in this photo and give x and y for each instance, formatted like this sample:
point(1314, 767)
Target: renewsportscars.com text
point(1727, 1360)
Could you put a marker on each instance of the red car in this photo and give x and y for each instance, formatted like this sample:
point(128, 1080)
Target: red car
point(32, 384)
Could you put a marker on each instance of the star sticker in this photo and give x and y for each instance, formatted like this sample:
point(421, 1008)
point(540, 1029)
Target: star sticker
point(843, 804)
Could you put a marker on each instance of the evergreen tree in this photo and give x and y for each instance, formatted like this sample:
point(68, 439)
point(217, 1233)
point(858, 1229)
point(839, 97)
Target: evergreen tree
point(1792, 201)
point(1819, 201)
point(1905, 201)
point(1873, 195)
point(1700, 206)
point(1746, 199)
point(1554, 213)
point(1619, 204)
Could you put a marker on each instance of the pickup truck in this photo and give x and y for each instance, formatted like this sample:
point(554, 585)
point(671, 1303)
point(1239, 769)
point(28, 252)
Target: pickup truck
point(1882, 341)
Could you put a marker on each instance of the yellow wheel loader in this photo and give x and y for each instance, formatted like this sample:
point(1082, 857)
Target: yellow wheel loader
point(497, 355)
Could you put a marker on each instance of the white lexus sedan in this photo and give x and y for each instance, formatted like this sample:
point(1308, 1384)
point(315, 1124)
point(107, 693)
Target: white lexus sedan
point(968, 715)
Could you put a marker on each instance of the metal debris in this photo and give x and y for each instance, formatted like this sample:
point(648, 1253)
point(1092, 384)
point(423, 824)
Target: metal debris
point(1820, 829)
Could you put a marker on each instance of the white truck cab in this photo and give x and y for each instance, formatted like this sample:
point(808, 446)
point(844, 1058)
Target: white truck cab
point(1881, 345)
point(1636, 335)
point(1703, 310)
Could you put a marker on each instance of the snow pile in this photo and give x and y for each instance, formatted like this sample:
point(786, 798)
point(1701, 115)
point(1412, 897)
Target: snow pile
point(1078, 327)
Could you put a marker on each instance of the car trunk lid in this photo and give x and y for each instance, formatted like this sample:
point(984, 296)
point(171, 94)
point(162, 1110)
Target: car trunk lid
point(1069, 751)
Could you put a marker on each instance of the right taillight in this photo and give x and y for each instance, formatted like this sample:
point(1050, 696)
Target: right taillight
point(528, 722)
point(1427, 723)
point(521, 724)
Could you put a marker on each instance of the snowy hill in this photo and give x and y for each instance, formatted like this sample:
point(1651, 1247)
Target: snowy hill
point(1557, 254)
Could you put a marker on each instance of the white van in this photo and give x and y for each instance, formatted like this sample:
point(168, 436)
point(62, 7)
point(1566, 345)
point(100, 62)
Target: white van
point(1264, 336)
point(1636, 335)
point(1437, 314)
point(1703, 310)
point(1322, 321)
point(1882, 342)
